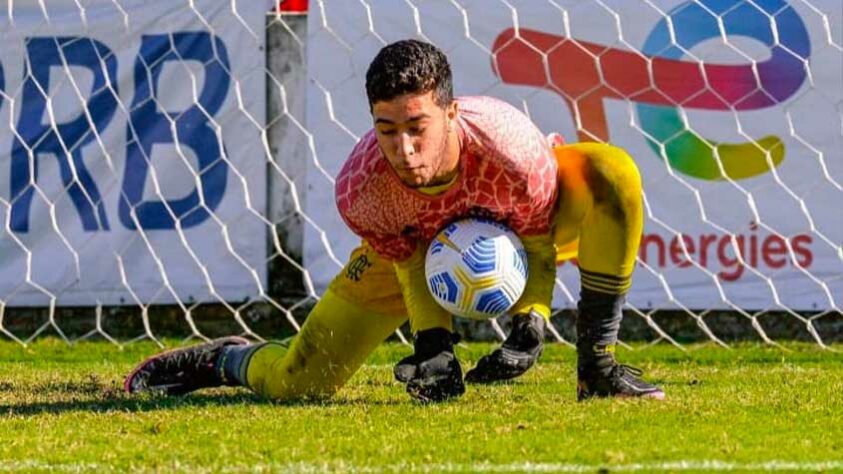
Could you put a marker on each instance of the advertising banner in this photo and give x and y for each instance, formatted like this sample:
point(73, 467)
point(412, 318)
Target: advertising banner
point(131, 163)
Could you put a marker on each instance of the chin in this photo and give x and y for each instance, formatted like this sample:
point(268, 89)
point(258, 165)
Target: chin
point(415, 181)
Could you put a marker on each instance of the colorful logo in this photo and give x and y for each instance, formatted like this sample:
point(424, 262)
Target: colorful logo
point(584, 74)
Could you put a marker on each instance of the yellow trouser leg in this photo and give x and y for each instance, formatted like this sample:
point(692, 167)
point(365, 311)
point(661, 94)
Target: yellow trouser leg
point(600, 204)
point(362, 307)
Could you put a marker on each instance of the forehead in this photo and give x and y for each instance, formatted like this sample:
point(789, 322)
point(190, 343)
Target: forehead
point(405, 108)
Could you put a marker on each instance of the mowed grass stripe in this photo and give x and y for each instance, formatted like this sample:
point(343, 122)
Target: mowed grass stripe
point(675, 466)
point(752, 408)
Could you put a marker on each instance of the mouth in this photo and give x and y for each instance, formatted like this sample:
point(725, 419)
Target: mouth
point(413, 176)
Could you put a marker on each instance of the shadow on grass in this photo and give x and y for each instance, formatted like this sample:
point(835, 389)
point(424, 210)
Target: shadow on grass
point(127, 404)
point(91, 394)
point(130, 404)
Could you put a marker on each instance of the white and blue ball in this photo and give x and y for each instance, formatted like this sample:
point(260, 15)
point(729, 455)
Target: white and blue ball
point(476, 268)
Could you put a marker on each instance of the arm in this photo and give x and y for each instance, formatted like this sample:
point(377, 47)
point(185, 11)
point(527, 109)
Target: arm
point(433, 372)
point(422, 310)
point(541, 261)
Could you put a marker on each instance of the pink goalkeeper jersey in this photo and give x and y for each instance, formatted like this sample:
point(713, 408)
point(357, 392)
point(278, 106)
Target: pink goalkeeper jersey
point(507, 172)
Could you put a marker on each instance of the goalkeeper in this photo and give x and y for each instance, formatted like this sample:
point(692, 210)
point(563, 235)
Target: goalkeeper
point(429, 160)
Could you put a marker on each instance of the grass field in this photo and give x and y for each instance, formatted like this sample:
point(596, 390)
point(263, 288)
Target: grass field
point(753, 408)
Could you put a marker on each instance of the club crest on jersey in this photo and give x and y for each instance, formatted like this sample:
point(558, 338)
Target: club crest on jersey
point(355, 269)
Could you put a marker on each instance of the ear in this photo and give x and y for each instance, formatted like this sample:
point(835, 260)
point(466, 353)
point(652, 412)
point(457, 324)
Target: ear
point(451, 112)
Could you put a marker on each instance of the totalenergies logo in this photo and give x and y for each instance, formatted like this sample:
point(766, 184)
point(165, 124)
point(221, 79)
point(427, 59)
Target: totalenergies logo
point(658, 80)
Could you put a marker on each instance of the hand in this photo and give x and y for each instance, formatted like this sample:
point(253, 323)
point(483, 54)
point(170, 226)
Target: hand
point(516, 355)
point(432, 373)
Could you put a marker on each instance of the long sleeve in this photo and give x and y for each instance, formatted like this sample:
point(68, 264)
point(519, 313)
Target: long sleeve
point(541, 260)
point(422, 310)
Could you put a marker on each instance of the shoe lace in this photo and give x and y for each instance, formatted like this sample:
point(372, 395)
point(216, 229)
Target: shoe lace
point(190, 358)
point(620, 370)
point(180, 361)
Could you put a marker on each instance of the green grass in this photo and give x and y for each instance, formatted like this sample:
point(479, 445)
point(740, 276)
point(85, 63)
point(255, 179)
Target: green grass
point(751, 408)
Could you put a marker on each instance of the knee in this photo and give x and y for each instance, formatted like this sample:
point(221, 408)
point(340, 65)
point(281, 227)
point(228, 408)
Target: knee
point(627, 177)
point(613, 178)
point(301, 394)
point(616, 168)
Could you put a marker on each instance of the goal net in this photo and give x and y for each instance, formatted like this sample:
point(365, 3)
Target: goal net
point(171, 163)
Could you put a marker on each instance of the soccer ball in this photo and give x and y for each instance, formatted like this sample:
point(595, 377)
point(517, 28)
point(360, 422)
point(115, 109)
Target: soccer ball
point(476, 268)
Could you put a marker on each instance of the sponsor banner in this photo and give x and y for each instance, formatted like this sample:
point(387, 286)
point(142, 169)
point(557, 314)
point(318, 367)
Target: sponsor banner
point(726, 106)
point(128, 141)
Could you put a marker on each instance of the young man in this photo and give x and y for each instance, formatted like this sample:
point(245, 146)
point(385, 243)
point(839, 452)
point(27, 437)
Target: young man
point(429, 160)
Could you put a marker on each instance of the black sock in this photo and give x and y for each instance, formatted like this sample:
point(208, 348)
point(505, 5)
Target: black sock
point(233, 361)
point(598, 323)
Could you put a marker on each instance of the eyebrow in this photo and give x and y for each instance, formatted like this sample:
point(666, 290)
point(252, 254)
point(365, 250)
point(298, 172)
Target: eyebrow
point(414, 118)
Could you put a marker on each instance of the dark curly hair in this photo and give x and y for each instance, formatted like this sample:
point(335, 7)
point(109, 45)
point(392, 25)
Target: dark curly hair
point(409, 67)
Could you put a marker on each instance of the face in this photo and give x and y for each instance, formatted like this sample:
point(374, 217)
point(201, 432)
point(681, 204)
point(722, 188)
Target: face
point(415, 135)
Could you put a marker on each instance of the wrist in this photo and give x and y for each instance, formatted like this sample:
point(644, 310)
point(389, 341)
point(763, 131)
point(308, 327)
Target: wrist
point(432, 341)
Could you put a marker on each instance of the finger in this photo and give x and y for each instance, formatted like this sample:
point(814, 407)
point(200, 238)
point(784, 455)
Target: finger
point(404, 372)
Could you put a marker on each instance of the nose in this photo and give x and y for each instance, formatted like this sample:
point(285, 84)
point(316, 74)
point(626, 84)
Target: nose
point(406, 149)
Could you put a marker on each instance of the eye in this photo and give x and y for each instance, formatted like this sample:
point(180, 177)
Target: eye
point(387, 132)
point(417, 130)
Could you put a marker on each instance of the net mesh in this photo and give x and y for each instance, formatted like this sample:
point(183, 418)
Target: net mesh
point(171, 166)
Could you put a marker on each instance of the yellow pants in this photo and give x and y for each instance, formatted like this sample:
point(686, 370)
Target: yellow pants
point(599, 220)
point(599, 215)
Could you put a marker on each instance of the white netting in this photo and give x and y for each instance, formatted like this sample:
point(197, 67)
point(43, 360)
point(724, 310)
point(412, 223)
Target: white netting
point(171, 163)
